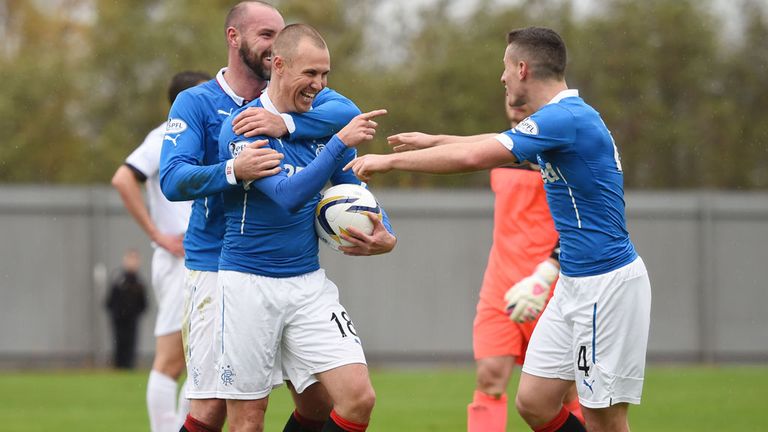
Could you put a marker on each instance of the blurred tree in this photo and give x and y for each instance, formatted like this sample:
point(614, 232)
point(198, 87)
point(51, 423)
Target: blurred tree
point(742, 144)
point(84, 80)
point(135, 49)
point(651, 79)
point(40, 55)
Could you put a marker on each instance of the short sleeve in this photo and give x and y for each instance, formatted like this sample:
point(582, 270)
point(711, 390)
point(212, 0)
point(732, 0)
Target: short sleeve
point(146, 157)
point(551, 128)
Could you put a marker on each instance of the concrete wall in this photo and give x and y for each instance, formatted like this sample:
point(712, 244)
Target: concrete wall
point(704, 252)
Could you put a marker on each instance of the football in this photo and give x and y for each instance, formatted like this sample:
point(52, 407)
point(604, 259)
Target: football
point(343, 206)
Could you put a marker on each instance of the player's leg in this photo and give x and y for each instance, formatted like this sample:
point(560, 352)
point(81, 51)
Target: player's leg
point(206, 413)
point(313, 407)
point(548, 371)
point(488, 410)
point(251, 312)
point(571, 403)
point(611, 340)
point(353, 396)
point(609, 419)
point(162, 384)
point(540, 402)
point(320, 343)
point(496, 342)
point(168, 365)
point(247, 415)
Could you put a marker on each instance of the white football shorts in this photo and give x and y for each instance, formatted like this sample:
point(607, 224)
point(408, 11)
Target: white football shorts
point(296, 322)
point(168, 286)
point(595, 332)
point(200, 318)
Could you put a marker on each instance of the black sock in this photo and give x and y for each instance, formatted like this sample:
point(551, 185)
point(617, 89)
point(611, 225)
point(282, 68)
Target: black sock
point(572, 425)
point(331, 426)
point(294, 425)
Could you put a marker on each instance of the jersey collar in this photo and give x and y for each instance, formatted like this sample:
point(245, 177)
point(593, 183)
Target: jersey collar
point(564, 94)
point(227, 89)
point(266, 102)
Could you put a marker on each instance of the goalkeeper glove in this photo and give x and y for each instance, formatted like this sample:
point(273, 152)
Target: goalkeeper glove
point(526, 299)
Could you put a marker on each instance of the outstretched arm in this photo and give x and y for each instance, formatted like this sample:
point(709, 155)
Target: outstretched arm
point(477, 155)
point(408, 141)
point(293, 192)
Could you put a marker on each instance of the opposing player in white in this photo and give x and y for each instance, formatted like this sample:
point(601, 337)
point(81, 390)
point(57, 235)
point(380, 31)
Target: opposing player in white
point(595, 329)
point(165, 223)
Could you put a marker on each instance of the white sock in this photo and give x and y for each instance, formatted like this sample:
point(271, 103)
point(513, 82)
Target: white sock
point(161, 402)
point(182, 409)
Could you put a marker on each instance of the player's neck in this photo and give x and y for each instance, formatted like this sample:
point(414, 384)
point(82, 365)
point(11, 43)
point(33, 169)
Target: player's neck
point(278, 97)
point(243, 81)
point(544, 92)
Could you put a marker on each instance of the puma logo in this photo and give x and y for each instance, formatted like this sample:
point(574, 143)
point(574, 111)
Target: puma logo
point(172, 139)
point(226, 113)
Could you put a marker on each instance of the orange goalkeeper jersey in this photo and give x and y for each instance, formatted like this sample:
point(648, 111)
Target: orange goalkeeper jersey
point(523, 231)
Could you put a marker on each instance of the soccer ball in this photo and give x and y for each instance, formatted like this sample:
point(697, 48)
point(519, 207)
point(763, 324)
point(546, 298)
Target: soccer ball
point(343, 206)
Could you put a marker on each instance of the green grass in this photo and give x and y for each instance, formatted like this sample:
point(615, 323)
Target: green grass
point(675, 399)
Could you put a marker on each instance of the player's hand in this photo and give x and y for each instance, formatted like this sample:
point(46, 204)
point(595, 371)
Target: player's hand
point(256, 161)
point(258, 121)
point(172, 243)
point(366, 166)
point(526, 299)
point(361, 128)
point(379, 242)
point(407, 141)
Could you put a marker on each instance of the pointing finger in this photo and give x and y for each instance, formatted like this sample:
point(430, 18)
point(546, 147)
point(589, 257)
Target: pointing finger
point(371, 114)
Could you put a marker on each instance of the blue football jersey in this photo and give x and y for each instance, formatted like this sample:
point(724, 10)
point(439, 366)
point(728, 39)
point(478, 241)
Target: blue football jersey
point(583, 179)
point(190, 168)
point(270, 222)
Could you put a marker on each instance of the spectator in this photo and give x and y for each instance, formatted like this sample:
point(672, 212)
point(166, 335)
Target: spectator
point(126, 302)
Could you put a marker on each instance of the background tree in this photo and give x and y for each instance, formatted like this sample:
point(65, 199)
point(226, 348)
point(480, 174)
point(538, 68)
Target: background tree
point(84, 80)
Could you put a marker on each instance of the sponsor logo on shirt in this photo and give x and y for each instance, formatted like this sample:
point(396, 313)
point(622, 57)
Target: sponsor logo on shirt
point(236, 147)
point(548, 173)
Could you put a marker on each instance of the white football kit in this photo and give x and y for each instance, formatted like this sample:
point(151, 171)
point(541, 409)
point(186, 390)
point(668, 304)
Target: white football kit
point(170, 218)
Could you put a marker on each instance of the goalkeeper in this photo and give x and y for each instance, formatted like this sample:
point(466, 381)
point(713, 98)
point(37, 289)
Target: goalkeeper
point(521, 271)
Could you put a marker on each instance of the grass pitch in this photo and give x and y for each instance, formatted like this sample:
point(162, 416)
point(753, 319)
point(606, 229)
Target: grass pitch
point(675, 399)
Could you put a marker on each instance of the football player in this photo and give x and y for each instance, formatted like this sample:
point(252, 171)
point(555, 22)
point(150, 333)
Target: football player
point(594, 332)
point(522, 267)
point(191, 170)
point(280, 313)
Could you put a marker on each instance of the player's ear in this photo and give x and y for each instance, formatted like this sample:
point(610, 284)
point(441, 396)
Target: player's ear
point(278, 64)
point(233, 37)
point(522, 69)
